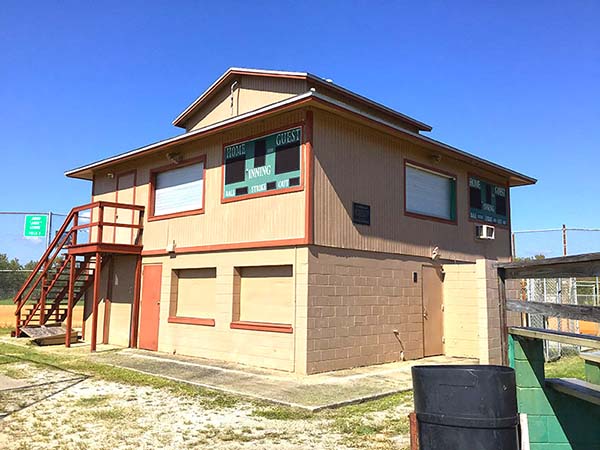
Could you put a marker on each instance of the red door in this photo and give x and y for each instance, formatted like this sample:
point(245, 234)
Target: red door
point(150, 306)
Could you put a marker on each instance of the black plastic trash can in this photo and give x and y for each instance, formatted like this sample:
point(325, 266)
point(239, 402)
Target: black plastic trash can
point(466, 407)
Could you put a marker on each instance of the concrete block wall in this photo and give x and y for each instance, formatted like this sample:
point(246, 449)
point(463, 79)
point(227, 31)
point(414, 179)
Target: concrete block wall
point(461, 310)
point(281, 351)
point(472, 325)
point(490, 326)
point(356, 301)
point(556, 421)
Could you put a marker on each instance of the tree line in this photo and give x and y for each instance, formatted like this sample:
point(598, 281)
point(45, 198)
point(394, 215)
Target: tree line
point(12, 275)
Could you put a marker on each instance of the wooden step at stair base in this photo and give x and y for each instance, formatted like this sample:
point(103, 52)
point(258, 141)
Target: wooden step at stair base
point(49, 334)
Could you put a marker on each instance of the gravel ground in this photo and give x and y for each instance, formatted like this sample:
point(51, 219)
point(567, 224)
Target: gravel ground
point(95, 414)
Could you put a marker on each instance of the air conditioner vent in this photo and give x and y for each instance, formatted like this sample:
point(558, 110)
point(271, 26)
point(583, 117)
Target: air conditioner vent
point(485, 232)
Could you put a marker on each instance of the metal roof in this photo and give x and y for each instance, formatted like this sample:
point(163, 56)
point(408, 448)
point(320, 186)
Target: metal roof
point(516, 178)
point(181, 118)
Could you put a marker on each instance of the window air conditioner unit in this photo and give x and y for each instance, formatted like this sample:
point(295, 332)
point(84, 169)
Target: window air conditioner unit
point(485, 231)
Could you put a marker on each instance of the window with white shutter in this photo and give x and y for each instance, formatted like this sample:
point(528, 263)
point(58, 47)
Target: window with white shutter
point(430, 193)
point(179, 190)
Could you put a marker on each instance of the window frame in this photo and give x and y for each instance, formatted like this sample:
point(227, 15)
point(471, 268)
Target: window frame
point(158, 170)
point(303, 164)
point(497, 183)
point(435, 171)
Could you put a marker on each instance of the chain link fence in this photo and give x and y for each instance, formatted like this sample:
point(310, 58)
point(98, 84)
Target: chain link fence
point(552, 242)
point(10, 283)
point(553, 290)
point(539, 244)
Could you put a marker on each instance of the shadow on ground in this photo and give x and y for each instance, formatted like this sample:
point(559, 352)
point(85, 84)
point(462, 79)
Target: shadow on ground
point(24, 383)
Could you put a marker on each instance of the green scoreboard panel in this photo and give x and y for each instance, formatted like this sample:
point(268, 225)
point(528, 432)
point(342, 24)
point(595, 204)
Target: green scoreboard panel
point(488, 202)
point(269, 163)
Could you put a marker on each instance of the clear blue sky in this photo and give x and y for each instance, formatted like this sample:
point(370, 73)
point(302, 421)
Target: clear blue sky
point(515, 82)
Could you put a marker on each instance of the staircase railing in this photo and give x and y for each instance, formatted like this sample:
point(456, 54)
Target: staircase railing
point(59, 297)
point(67, 236)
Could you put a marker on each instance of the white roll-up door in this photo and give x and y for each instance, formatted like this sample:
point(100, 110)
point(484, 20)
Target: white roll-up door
point(429, 193)
point(179, 190)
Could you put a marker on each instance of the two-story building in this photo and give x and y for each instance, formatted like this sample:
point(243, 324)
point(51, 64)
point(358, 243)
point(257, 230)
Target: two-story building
point(294, 225)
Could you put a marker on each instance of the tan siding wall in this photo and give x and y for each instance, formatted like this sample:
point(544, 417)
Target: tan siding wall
point(281, 351)
point(122, 300)
point(356, 301)
point(273, 217)
point(251, 93)
point(355, 163)
point(122, 284)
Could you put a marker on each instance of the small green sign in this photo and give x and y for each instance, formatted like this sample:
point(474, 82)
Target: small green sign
point(35, 226)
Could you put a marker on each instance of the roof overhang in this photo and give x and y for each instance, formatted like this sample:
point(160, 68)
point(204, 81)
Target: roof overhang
point(317, 100)
point(234, 72)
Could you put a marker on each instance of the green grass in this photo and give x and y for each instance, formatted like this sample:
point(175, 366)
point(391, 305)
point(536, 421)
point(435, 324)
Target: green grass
point(354, 422)
point(114, 414)
point(566, 367)
point(10, 372)
point(93, 401)
point(6, 301)
point(82, 365)
point(5, 330)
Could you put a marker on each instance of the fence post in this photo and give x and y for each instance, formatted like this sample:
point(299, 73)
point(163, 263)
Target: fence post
point(513, 248)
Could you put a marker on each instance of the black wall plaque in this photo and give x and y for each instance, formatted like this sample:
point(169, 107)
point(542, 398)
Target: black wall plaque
point(361, 214)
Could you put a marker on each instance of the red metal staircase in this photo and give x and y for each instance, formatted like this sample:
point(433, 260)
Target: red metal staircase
point(56, 287)
point(70, 268)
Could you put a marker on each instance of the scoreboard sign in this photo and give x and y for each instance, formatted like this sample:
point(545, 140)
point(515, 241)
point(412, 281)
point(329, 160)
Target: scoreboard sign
point(488, 202)
point(269, 163)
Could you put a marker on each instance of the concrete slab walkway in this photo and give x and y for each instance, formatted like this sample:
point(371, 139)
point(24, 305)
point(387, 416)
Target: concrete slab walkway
point(312, 392)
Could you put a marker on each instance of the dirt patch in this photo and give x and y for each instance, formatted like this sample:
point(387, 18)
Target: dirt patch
point(7, 316)
point(82, 403)
point(104, 415)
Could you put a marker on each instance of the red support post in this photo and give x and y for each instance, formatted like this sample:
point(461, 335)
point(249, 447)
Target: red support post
point(75, 225)
point(95, 302)
point(135, 315)
point(100, 223)
point(70, 300)
point(43, 293)
point(414, 431)
point(18, 322)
